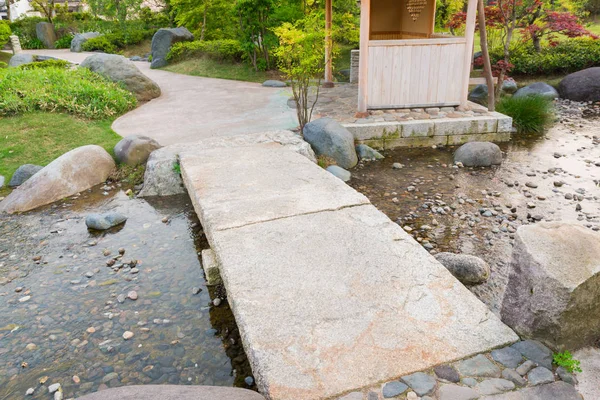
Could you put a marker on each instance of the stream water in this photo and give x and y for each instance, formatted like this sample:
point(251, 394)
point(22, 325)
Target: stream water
point(63, 311)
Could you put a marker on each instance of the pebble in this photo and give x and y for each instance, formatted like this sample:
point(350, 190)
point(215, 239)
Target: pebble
point(76, 379)
point(127, 335)
point(196, 290)
point(53, 388)
point(31, 346)
point(531, 185)
point(19, 289)
point(397, 166)
point(30, 392)
point(524, 368)
point(91, 329)
point(24, 299)
point(393, 389)
point(121, 298)
point(249, 380)
point(132, 295)
point(58, 396)
point(217, 302)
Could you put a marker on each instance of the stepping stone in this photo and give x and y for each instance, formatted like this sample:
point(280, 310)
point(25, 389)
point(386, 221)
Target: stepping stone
point(552, 391)
point(447, 372)
point(455, 392)
point(393, 389)
point(508, 356)
point(317, 278)
point(422, 383)
point(494, 386)
point(478, 366)
point(535, 351)
point(540, 375)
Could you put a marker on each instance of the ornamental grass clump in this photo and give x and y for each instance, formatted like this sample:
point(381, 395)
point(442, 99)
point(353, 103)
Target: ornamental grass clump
point(530, 114)
point(78, 92)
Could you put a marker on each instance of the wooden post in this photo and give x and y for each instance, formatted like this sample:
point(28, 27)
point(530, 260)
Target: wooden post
point(469, 38)
point(363, 64)
point(487, 64)
point(328, 45)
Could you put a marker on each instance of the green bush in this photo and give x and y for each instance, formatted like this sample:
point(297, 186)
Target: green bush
point(32, 44)
point(5, 33)
point(24, 28)
point(46, 64)
point(64, 42)
point(100, 43)
point(221, 50)
point(568, 56)
point(79, 92)
point(530, 114)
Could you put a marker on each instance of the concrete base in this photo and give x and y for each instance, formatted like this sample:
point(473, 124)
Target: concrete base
point(329, 295)
point(173, 392)
point(495, 127)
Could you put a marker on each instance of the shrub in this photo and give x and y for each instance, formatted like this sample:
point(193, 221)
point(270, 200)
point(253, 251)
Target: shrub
point(566, 360)
point(24, 28)
point(5, 33)
point(568, 56)
point(64, 42)
point(3, 64)
point(46, 64)
point(79, 92)
point(32, 44)
point(530, 114)
point(100, 43)
point(221, 50)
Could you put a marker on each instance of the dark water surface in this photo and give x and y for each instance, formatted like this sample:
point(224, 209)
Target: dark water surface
point(60, 317)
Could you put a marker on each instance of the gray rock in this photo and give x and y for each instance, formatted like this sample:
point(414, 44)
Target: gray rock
point(455, 392)
point(538, 89)
point(340, 172)
point(80, 38)
point(23, 173)
point(171, 392)
point(495, 386)
point(393, 389)
point(470, 270)
point(471, 382)
point(365, 152)
point(447, 373)
point(508, 356)
point(136, 58)
point(479, 94)
point(73, 172)
point(553, 391)
point(162, 177)
point(422, 383)
point(478, 366)
point(274, 83)
point(524, 368)
point(513, 376)
point(327, 137)
point(102, 222)
point(135, 149)
point(120, 69)
point(566, 376)
point(539, 376)
point(554, 285)
point(46, 33)
point(534, 351)
point(162, 41)
point(582, 85)
point(21, 59)
point(478, 154)
point(509, 86)
point(1, 181)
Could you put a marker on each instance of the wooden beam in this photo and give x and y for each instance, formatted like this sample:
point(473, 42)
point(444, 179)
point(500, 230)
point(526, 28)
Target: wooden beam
point(328, 45)
point(469, 37)
point(363, 65)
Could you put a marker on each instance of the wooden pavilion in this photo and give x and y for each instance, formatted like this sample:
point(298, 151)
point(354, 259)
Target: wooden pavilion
point(403, 62)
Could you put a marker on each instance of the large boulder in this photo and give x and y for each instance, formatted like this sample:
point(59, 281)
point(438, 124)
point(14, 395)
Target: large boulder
point(553, 289)
point(21, 59)
point(135, 149)
point(120, 69)
point(71, 173)
point(470, 270)
point(162, 41)
point(328, 138)
point(538, 89)
point(80, 39)
point(478, 154)
point(46, 33)
point(582, 85)
point(479, 94)
point(23, 173)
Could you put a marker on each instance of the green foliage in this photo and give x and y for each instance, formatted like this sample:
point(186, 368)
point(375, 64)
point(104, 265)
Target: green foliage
point(5, 33)
point(61, 64)
point(100, 43)
point(206, 19)
point(32, 44)
point(177, 168)
point(64, 42)
point(300, 58)
point(566, 360)
point(3, 64)
point(530, 114)
point(221, 50)
point(78, 92)
point(24, 28)
point(568, 56)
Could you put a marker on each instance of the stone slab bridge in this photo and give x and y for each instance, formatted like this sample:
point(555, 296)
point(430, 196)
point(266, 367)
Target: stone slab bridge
point(329, 294)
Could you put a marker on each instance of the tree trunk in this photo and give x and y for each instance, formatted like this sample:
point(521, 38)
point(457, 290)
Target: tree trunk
point(203, 24)
point(537, 43)
point(487, 64)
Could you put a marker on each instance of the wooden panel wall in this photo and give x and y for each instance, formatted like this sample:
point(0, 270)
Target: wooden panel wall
point(412, 74)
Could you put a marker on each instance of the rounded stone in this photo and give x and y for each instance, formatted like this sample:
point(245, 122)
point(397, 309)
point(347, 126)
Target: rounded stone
point(127, 335)
point(478, 154)
point(393, 389)
point(23, 173)
point(339, 172)
point(468, 269)
point(135, 149)
point(537, 89)
point(539, 376)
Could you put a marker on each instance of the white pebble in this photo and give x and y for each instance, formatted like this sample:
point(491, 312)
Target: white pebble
point(53, 388)
point(30, 391)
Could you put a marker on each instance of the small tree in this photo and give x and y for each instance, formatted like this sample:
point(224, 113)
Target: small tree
point(300, 56)
point(44, 7)
point(4, 33)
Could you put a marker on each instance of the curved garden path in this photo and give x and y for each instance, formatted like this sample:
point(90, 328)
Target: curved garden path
point(193, 108)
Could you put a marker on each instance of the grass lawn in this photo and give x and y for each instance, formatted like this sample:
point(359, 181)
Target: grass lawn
point(38, 138)
point(215, 69)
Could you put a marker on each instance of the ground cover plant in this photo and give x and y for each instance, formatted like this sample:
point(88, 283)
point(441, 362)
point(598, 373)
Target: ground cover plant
point(530, 114)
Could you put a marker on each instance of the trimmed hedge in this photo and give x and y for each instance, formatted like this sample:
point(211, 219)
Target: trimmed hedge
point(568, 56)
point(79, 92)
point(221, 50)
point(113, 42)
